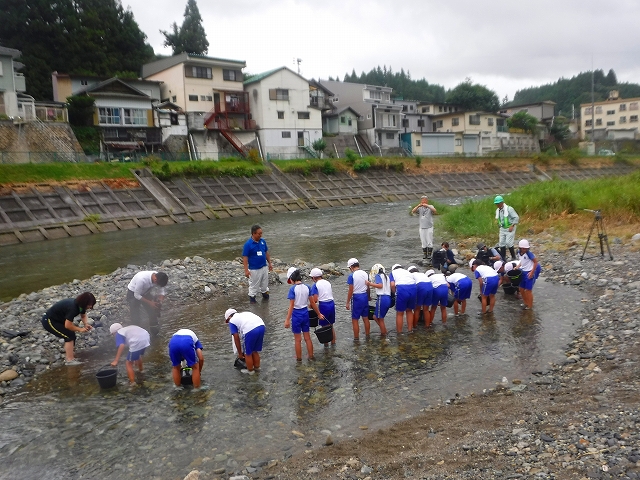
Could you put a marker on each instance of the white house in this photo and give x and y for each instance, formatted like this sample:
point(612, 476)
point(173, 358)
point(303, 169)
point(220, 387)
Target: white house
point(286, 124)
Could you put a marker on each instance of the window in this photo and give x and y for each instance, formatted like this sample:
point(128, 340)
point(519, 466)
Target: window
point(335, 100)
point(368, 116)
point(303, 116)
point(390, 136)
point(405, 122)
point(588, 123)
point(458, 142)
point(623, 107)
point(440, 109)
point(343, 120)
point(232, 75)
point(633, 118)
point(490, 122)
point(134, 116)
point(623, 119)
point(279, 94)
point(598, 109)
point(109, 116)
point(587, 111)
point(174, 98)
point(633, 106)
point(203, 98)
point(349, 123)
point(193, 98)
point(392, 120)
point(598, 121)
point(426, 109)
point(610, 124)
point(197, 72)
point(375, 95)
point(280, 114)
point(611, 112)
point(286, 134)
point(82, 82)
point(438, 124)
point(455, 122)
point(417, 143)
point(474, 119)
point(410, 107)
point(421, 123)
point(404, 108)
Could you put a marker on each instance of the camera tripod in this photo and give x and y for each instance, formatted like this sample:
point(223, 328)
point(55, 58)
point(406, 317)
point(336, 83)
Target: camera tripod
point(598, 223)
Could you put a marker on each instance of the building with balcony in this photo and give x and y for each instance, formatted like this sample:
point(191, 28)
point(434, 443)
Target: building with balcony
point(12, 82)
point(543, 111)
point(614, 119)
point(287, 125)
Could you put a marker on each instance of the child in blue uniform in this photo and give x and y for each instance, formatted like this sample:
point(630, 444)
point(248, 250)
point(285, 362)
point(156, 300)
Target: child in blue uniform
point(379, 280)
point(461, 286)
point(298, 314)
point(185, 345)
point(322, 294)
point(439, 296)
point(358, 298)
point(489, 281)
point(530, 272)
point(404, 286)
point(424, 295)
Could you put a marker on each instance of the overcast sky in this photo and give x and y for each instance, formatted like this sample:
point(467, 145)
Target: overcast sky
point(503, 44)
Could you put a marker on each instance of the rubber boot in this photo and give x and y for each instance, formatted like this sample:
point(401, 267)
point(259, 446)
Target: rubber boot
point(513, 253)
point(503, 252)
point(429, 252)
point(424, 253)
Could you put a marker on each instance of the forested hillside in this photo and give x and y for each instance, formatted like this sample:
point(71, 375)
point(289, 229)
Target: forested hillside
point(576, 90)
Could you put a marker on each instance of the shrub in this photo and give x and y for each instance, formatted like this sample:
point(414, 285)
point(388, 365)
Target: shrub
point(572, 156)
point(328, 168)
point(351, 156)
point(254, 156)
point(541, 158)
point(361, 165)
point(418, 162)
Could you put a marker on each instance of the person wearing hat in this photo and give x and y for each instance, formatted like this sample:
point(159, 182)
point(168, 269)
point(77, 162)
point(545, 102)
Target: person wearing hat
point(298, 314)
point(439, 297)
point(358, 298)
point(404, 285)
point(461, 286)
point(487, 255)
point(379, 280)
point(257, 264)
point(530, 272)
point(489, 281)
point(185, 345)
point(322, 294)
point(426, 213)
point(136, 339)
point(503, 268)
point(252, 328)
point(507, 219)
point(424, 294)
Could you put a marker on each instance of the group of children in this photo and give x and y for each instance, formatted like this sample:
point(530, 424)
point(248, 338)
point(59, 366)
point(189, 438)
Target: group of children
point(414, 294)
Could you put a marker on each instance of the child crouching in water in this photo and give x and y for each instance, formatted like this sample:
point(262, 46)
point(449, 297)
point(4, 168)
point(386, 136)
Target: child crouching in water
point(322, 294)
point(298, 314)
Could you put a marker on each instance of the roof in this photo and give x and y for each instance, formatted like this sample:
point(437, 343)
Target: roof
point(152, 68)
point(317, 84)
point(610, 102)
point(522, 105)
point(339, 112)
point(99, 86)
point(261, 76)
point(12, 52)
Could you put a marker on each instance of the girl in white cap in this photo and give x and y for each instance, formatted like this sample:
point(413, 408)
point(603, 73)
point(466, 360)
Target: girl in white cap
point(322, 294)
point(298, 313)
point(379, 280)
point(530, 271)
point(358, 298)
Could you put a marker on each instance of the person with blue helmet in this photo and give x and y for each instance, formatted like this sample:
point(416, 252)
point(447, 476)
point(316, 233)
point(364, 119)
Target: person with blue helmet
point(507, 219)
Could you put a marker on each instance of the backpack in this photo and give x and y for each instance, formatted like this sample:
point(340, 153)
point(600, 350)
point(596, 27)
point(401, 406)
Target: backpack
point(439, 258)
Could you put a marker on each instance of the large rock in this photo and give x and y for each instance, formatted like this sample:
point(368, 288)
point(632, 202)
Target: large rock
point(8, 375)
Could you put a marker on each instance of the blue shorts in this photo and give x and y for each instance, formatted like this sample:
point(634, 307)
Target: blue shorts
point(424, 293)
point(328, 309)
point(359, 306)
point(405, 297)
point(440, 296)
point(133, 356)
point(181, 347)
point(527, 283)
point(300, 320)
point(462, 289)
point(490, 286)
point(253, 340)
point(383, 304)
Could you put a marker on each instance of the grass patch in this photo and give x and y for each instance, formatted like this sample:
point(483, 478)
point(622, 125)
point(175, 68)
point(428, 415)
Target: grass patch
point(61, 172)
point(228, 167)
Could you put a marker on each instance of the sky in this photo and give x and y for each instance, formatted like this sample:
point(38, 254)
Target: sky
point(505, 45)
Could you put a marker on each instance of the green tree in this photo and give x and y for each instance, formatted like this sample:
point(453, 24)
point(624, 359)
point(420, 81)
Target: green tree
point(319, 146)
point(190, 37)
point(81, 109)
point(471, 96)
point(560, 129)
point(523, 121)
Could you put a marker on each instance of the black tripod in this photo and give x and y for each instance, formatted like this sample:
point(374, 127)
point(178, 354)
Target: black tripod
point(598, 223)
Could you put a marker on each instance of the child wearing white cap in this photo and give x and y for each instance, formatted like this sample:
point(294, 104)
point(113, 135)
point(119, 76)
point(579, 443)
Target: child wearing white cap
point(379, 280)
point(358, 298)
point(439, 296)
point(461, 286)
point(252, 328)
point(322, 294)
point(136, 339)
point(530, 272)
point(298, 313)
point(424, 295)
point(489, 281)
point(403, 283)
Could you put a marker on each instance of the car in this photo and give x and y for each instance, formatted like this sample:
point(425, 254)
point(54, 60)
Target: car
point(603, 152)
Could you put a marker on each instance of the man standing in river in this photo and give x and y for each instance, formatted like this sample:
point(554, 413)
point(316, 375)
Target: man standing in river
point(257, 264)
point(507, 219)
point(426, 213)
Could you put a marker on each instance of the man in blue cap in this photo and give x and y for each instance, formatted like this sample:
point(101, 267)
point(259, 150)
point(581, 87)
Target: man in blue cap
point(507, 219)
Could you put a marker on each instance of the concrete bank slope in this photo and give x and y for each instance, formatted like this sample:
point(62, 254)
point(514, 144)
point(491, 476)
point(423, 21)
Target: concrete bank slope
point(38, 212)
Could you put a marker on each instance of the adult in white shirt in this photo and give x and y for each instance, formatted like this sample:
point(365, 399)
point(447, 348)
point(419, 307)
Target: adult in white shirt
point(140, 293)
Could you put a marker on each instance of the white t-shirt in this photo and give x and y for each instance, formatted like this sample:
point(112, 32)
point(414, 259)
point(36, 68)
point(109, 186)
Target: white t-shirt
point(141, 283)
point(186, 331)
point(455, 278)
point(438, 279)
point(402, 277)
point(485, 271)
point(420, 277)
point(136, 337)
point(246, 321)
point(325, 292)
point(386, 284)
point(358, 279)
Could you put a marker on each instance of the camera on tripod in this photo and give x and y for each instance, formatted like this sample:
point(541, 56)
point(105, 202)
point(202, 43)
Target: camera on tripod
point(603, 239)
point(597, 213)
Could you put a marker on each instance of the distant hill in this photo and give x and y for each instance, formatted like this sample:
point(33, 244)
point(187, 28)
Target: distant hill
point(576, 90)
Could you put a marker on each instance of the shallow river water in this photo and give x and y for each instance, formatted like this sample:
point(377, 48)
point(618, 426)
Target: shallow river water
point(63, 426)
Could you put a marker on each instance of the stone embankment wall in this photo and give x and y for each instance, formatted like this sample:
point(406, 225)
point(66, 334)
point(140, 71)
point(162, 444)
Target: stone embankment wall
point(47, 211)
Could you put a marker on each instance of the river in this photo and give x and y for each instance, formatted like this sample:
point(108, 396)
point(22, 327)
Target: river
point(63, 426)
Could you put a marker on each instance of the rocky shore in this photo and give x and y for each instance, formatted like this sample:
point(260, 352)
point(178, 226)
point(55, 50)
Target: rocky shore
point(578, 419)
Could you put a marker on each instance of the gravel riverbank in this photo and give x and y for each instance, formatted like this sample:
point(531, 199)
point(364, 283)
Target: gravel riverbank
point(579, 419)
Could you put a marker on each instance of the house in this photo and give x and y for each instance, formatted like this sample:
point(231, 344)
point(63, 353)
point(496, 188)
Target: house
point(12, 83)
point(544, 111)
point(287, 125)
point(431, 108)
point(123, 109)
point(210, 91)
point(614, 119)
point(341, 121)
point(379, 125)
point(172, 120)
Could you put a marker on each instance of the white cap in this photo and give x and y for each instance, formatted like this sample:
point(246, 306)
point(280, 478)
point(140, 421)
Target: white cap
point(315, 272)
point(395, 265)
point(428, 273)
point(412, 268)
point(523, 243)
point(352, 261)
point(497, 264)
point(508, 266)
point(115, 327)
point(228, 313)
point(471, 262)
point(290, 272)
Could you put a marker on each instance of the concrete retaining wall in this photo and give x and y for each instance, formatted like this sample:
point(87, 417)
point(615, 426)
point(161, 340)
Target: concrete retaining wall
point(46, 211)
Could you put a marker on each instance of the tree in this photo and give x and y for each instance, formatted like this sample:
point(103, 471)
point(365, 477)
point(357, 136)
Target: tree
point(81, 109)
point(190, 37)
point(319, 146)
point(471, 96)
point(523, 121)
point(560, 129)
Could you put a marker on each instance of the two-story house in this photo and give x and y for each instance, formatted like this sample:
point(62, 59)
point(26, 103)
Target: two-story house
point(287, 125)
point(12, 82)
point(210, 91)
point(614, 119)
point(123, 108)
point(380, 123)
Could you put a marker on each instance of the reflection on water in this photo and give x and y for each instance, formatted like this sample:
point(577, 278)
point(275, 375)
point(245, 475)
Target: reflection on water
point(64, 426)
